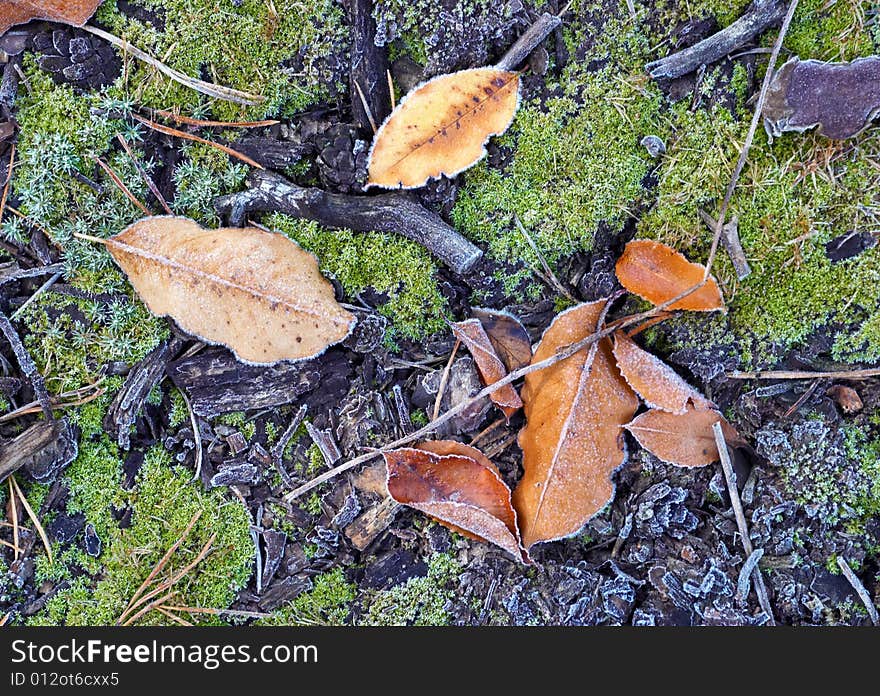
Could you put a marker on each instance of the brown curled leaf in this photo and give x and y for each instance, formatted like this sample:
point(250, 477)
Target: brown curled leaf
point(457, 486)
point(658, 384)
point(489, 365)
point(508, 335)
point(840, 98)
point(683, 439)
point(658, 273)
point(572, 442)
point(255, 292)
point(75, 12)
point(440, 128)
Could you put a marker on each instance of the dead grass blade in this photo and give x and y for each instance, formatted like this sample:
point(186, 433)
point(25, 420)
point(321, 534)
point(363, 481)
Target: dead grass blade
point(80, 396)
point(216, 91)
point(13, 509)
point(219, 612)
point(162, 563)
point(167, 130)
point(114, 177)
point(188, 121)
point(30, 512)
point(150, 183)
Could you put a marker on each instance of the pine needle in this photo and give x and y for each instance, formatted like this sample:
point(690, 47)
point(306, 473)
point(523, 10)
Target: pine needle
point(30, 512)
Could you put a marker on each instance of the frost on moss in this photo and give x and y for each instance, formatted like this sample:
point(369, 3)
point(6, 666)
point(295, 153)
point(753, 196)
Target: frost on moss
point(328, 603)
point(281, 50)
point(419, 601)
point(575, 158)
point(395, 267)
point(163, 501)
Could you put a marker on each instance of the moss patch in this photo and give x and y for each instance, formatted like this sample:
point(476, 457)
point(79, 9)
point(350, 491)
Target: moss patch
point(163, 502)
point(395, 267)
point(326, 604)
point(278, 49)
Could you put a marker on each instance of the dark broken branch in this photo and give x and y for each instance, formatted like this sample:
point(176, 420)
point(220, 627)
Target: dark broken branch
point(529, 41)
point(369, 68)
point(761, 15)
point(398, 213)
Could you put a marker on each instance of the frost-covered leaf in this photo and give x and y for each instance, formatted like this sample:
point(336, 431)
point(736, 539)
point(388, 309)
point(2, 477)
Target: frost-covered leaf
point(653, 380)
point(440, 128)
point(682, 439)
point(255, 292)
point(658, 273)
point(459, 487)
point(508, 335)
point(840, 98)
point(76, 12)
point(572, 441)
point(489, 365)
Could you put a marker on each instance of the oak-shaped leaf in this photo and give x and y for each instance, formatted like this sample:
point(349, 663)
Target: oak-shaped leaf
point(652, 379)
point(508, 335)
point(840, 98)
point(255, 292)
point(684, 439)
point(658, 273)
point(75, 12)
point(489, 365)
point(440, 128)
point(573, 440)
point(459, 487)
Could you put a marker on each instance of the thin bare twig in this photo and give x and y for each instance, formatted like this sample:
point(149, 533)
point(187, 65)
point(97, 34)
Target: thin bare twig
point(150, 183)
point(220, 612)
point(167, 130)
point(551, 276)
point(197, 436)
point(860, 589)
point(753, 127)
point(199, 123)
point(13, 509)
point(736, 503)
point(366, 106)
point(120, 184)
point(33, 298)
point(82, 396)
point(8, 181)
point(444, 380)
point(806, 374)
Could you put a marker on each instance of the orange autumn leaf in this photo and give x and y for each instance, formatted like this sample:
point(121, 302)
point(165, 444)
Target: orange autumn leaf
point(682, 439)
point(76, 12)
point(658, 273)
point(572, 442)
point(658, 384)
point(489, 365)
point(508, 335)
point(440, 128)
point(459, 487)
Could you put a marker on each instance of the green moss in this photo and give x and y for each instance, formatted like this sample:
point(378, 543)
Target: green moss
point(205, 174)
point(419, 601)
point(576, 162)
point(242, 45)
point(326, 604)
point(395, 267)
point(163, 502)
point(178, 412)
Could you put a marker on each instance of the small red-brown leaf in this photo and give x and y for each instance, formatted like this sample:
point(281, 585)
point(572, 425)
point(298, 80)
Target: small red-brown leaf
point(658, 273)
point(76, 12)
point(489, 365)
point(846, 397)
point(683, 439)
point(652, 379)
point(508, 335)
point(461, 492)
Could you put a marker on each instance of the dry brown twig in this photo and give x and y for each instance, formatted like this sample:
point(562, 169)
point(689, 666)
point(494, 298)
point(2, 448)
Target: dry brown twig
point(444, 380)
point(806, 374)
point(30, 513)
point(150, 183)
point(736, 504)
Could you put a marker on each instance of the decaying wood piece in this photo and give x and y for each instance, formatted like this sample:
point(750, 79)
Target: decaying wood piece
point(761, 15)
point(732, 243)
point(529, 41)
point(369, 68)
point(364, 530)
point(840, 98)
point(140, 381)
point(42, 450)
point(398, 213)
point(217, 383)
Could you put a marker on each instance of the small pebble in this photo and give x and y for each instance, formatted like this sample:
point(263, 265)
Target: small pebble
point(654, 145)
